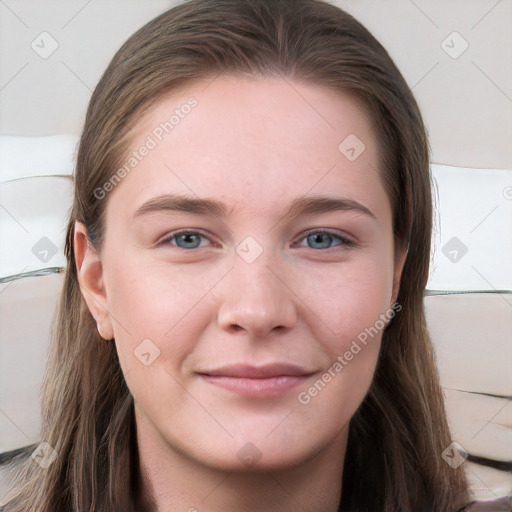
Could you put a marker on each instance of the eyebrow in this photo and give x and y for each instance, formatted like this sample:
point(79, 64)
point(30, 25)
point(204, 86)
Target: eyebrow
point(325, 204)
point(299, 207)
point(182, 203)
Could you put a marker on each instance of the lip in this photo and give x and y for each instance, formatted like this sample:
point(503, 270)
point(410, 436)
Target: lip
point(257, 381)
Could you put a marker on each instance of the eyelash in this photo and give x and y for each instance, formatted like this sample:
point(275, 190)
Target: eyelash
point(345, 242)
point(167, 240)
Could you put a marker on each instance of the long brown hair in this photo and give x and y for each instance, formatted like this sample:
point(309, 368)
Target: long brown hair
point(393, 462)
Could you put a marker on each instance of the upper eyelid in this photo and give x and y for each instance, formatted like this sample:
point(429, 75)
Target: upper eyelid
point(325, 231)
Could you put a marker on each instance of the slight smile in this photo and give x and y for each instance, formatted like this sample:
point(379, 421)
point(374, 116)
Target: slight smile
point(257, 381)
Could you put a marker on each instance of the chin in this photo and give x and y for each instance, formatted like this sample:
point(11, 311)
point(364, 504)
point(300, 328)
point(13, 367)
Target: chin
point(259, 456)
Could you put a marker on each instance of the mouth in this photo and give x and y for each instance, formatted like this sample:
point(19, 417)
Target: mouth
point(257, 381)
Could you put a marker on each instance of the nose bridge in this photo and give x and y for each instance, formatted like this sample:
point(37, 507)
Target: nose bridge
point(254, 298)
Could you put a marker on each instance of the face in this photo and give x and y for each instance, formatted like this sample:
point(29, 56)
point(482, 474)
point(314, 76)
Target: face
point(248, 252)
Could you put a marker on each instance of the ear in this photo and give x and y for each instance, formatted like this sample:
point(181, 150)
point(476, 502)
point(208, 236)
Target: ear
point(90, 278)
point(400, 257)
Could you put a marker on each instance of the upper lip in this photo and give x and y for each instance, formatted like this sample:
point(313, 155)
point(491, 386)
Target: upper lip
point(258, 372)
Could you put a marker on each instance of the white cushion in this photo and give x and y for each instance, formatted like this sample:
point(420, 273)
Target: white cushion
point(472, 334)
point(22, 157)
point(35, 198)
point(33, 230)
point(26, 312)
point(472, 240)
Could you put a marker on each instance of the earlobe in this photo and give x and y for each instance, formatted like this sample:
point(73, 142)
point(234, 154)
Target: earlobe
point(89, 270)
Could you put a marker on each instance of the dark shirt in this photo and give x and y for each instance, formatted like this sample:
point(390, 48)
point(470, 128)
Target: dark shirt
point(499, 505)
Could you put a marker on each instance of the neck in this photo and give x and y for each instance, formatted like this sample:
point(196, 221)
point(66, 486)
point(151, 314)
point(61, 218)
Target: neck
point(171, 482)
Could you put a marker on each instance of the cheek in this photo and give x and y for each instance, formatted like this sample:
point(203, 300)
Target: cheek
point(348, 299)
point(150, 297)
point(352, 308)
point(154, 301)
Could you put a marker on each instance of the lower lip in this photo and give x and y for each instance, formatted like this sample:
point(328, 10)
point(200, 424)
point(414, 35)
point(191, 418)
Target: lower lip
point(256, 388)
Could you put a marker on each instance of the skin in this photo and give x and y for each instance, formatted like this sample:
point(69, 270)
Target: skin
point(255, 145)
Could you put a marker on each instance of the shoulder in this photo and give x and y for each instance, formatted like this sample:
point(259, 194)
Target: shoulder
point(503, 504)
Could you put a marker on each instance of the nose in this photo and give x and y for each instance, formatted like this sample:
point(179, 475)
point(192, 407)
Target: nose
point(256, 299)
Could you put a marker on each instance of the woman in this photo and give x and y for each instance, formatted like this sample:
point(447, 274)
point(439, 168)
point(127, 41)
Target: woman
point(241, 325)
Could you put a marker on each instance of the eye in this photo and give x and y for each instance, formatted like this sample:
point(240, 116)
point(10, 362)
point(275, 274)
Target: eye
point(185, 239)
point(325, 240)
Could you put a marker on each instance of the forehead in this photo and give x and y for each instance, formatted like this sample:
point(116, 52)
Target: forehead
point(251, 142)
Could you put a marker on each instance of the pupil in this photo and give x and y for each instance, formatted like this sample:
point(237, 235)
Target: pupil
point(189, 239)
point(322, 239)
